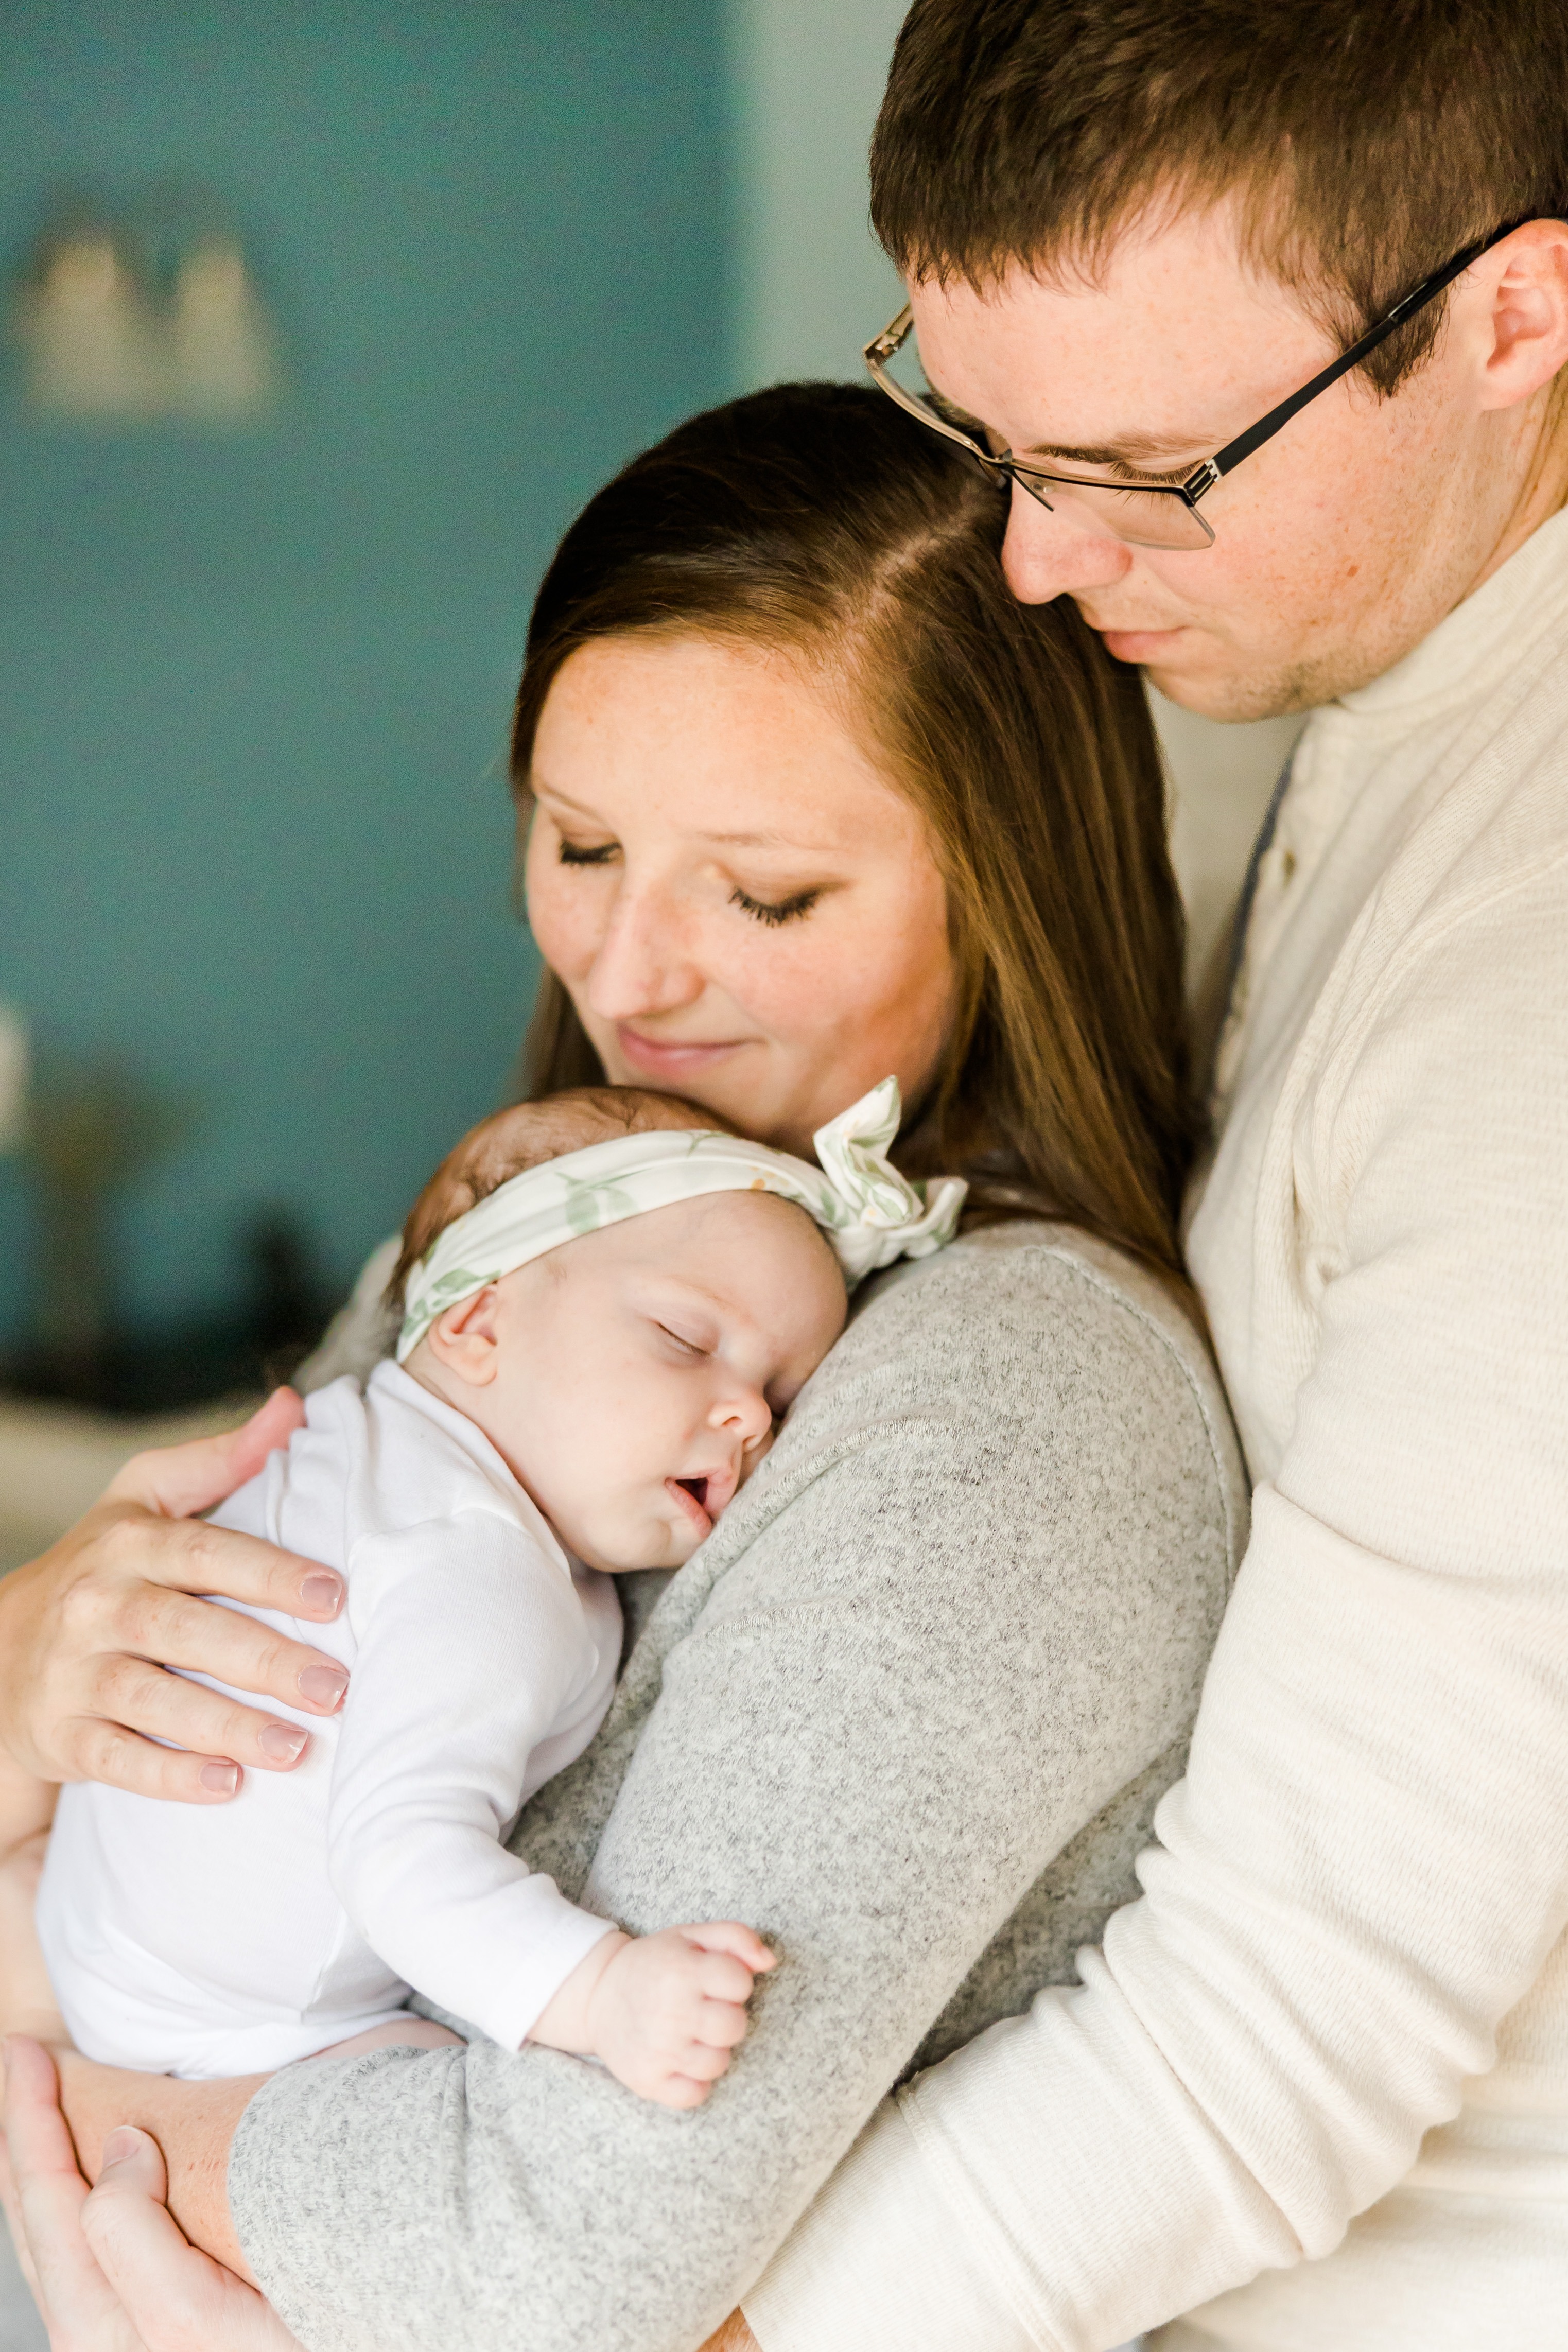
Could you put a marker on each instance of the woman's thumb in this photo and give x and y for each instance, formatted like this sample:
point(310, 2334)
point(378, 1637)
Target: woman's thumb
point(180, 1480)
point(133, 2161)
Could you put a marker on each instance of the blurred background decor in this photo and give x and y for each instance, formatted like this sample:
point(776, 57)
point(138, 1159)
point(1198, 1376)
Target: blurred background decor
point(152, 315)
point(435, 271)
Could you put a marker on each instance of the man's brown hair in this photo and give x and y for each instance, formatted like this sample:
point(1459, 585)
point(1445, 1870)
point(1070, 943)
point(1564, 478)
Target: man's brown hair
point(818, 520)
point(1366, 141)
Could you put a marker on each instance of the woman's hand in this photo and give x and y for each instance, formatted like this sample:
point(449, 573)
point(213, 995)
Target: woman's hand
point(110, 2271)
point(87, 1630)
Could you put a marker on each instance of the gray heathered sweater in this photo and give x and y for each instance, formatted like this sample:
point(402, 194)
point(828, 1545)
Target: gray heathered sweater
point(907, 1712)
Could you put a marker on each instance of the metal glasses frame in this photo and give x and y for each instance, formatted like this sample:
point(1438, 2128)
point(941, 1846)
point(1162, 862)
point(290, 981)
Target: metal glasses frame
point(1005, 468)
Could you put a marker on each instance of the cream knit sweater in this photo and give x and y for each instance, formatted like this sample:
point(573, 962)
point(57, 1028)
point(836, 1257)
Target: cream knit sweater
point(1316, 2081)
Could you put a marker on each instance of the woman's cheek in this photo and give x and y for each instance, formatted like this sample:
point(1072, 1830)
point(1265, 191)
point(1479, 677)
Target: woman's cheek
point(565, 924)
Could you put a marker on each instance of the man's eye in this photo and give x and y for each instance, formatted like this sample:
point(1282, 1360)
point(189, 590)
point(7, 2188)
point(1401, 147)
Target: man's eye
point(575, 853)
point(785, 910)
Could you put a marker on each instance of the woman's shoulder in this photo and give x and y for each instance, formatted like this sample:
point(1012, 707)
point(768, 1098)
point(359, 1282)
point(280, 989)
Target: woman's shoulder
point(1064, 1340)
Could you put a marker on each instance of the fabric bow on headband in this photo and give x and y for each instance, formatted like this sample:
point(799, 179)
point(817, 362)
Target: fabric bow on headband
point(869, 1212)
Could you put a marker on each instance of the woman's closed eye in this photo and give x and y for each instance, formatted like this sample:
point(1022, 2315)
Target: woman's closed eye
point(775, 911)
point(582, 853)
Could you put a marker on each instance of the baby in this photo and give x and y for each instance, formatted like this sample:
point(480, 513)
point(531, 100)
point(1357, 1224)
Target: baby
point(607, 1306)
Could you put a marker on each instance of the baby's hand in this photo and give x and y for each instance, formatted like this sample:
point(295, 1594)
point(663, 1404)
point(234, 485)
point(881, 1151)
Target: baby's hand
point(663, 2011)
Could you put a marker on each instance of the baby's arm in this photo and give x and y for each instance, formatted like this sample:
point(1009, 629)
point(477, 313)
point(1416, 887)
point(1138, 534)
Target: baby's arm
point(471, 1649)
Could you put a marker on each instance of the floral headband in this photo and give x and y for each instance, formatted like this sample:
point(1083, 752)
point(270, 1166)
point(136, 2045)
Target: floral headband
point(870, 1213)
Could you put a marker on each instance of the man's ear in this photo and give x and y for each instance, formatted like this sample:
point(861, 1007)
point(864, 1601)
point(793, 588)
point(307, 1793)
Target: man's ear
point(464, 1340)
point(1523, 338)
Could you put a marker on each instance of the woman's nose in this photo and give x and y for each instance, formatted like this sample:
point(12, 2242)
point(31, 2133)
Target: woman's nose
point(643, 963)
point(1045, 555)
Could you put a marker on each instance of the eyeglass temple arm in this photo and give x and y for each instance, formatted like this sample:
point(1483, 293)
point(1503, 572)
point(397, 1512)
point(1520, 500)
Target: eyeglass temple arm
point(878, 351)
point(1224, 460)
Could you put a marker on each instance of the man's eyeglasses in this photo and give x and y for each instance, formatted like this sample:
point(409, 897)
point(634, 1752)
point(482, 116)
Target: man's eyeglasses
point(1150, 514)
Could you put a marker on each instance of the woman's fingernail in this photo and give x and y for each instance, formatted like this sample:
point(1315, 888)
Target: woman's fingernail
point(121, 2143)
point(223, 1780)
point(323, 1686)
point(281, 1743)
point(322, 1591)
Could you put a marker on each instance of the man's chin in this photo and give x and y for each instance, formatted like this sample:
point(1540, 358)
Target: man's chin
point(1233, 697)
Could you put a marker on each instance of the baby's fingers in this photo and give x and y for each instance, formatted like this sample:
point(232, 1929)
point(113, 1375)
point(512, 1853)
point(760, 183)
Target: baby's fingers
point(743, 1943)
point(680, 2091)
point(719, 2025)
point(717, 1978)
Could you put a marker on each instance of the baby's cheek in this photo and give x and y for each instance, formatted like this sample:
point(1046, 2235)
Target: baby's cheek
point(759, 1453)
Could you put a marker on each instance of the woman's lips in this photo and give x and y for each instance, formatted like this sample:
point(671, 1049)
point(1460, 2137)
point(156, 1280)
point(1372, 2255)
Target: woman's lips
point(673, 1058)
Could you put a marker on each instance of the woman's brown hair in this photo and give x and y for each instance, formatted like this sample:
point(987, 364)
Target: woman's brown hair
point(817, 519)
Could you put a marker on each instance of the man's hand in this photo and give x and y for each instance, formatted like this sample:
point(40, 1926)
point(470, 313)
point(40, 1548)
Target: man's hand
point(664, 2012)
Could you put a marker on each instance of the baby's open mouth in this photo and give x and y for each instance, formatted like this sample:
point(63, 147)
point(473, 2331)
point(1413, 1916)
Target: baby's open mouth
point(692, 1496)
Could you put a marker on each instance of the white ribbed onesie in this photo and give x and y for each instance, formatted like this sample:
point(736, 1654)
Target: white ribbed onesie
point(231, 1939)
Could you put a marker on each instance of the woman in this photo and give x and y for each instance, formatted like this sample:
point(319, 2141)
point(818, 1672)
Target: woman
point(809, 799)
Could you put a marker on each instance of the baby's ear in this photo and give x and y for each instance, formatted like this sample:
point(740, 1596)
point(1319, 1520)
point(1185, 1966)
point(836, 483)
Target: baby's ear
point(466, 1338)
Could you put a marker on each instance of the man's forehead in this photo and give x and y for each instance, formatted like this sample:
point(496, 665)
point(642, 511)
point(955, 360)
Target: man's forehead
point(1149, 356)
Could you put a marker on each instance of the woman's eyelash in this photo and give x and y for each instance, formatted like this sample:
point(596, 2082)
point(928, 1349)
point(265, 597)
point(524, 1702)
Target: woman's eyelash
point(571, 852)
point(787, 911)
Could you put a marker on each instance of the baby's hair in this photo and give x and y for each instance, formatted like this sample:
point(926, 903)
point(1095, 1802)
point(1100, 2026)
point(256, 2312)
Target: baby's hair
point(524, 1136)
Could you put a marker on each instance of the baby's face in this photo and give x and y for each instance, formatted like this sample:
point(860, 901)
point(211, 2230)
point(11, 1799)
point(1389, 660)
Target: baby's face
point(638, 1372)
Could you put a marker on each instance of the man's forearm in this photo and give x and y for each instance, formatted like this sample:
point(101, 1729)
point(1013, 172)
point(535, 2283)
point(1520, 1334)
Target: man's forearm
point(192, 2122)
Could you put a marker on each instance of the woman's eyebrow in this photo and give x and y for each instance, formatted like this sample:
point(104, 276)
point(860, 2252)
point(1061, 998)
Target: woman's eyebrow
point(764, 841)
point(540, 788)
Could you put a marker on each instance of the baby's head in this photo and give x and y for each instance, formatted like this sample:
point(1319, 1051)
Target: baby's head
point(630, 1376)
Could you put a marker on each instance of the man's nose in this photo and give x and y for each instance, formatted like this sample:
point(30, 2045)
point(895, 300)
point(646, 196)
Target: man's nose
point(644, 963)
point(1046, 554)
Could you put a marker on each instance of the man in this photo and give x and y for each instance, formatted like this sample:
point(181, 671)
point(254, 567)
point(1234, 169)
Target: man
point(1313, 2092)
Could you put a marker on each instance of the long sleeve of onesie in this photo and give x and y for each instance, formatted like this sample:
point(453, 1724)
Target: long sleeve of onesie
point(471, 1650)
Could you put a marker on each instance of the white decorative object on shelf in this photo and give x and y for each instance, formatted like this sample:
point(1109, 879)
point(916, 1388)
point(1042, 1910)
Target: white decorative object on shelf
point(223, 355)
point(15, 1063)
point(106, 341)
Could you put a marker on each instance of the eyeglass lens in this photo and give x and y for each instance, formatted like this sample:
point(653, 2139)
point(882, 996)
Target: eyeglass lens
point(1142, 517)
point(1114, 510)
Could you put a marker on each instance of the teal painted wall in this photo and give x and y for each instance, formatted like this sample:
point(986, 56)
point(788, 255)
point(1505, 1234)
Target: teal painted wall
point(254, 835)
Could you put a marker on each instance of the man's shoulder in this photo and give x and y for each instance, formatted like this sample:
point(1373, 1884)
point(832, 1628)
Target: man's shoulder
point(1500, 825)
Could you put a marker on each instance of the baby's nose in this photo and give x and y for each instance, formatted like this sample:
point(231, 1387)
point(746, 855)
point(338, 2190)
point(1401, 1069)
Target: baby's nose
point(748, 1414)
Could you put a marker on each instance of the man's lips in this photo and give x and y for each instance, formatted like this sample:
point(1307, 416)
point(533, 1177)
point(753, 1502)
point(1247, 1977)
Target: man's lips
point(1138, 645)
point(667, 1056)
